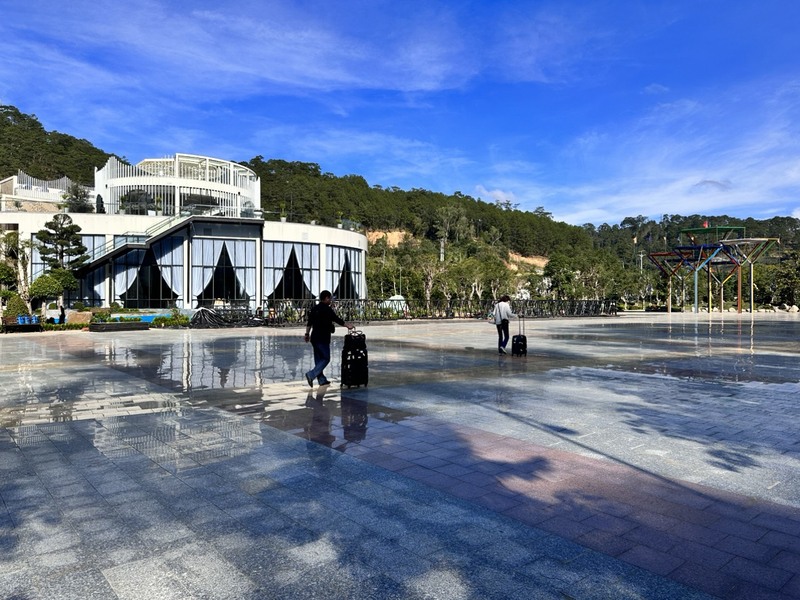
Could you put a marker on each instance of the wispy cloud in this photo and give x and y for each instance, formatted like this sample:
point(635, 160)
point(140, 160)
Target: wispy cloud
point(656, 88)
point(734, 152)
point(529, 102)
point(543, 45)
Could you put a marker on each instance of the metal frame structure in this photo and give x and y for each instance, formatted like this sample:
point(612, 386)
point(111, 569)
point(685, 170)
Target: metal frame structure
point(721, 259)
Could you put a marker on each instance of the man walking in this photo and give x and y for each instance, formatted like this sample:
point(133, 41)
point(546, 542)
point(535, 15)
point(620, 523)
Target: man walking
point(321, 319)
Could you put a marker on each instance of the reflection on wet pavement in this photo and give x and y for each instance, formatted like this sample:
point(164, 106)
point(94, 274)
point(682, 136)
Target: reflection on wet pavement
point(59, 380)
point(613, 433)
point(328, 415)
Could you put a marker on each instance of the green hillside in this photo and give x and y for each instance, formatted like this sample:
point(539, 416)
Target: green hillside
point(25, 145)
point(476, 238)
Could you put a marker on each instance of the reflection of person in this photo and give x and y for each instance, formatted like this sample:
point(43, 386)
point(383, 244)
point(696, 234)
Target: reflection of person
point(318, 331)
point(502, 314)
point(319, 429)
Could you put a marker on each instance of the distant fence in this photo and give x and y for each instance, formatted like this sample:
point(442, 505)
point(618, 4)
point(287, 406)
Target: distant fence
point(295, 312)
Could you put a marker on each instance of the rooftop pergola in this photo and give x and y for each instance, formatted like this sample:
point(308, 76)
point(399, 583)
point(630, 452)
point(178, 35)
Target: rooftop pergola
point(719, 251)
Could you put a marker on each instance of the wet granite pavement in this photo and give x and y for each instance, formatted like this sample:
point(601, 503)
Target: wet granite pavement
point(641, 456)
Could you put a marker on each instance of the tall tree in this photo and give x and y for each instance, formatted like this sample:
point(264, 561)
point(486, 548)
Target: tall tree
point(76, 199)
point(60, 244)
point(16, 254)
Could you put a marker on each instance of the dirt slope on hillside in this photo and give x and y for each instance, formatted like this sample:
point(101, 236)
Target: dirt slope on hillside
point(395, 237)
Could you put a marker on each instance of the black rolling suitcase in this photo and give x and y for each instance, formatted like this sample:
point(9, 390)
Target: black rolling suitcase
point(355, 363)
point(519, 342)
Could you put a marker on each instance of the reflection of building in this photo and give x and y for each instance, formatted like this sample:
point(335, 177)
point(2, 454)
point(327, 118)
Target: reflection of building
point(202, 368)
point(187, 231)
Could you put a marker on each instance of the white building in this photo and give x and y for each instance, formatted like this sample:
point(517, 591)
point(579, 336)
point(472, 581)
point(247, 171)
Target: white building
point(186, 231)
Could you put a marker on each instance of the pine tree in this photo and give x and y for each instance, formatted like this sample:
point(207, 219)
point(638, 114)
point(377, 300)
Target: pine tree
point(76, 199)
point(60, 244)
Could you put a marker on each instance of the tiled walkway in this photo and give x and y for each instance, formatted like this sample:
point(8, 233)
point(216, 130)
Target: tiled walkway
point(728, 545)
point(649, 456)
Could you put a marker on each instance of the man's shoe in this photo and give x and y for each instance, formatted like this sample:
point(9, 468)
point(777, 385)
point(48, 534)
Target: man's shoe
point(503, 351)
point(309, 380)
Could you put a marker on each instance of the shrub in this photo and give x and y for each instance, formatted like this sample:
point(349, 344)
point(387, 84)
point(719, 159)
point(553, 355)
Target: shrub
point(16, 307)
point(64, 327)
point(78, 306)
point(52, 306)
point(176, 319)
point(101, 316)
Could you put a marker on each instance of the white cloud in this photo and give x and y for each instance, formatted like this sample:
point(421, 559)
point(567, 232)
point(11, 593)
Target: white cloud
point(656, 88)
point(497, 196)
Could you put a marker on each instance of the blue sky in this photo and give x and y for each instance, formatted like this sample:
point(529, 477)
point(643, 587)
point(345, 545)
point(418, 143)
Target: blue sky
point(592, 110)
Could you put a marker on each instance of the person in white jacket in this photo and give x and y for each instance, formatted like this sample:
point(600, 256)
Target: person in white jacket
point(502, 314)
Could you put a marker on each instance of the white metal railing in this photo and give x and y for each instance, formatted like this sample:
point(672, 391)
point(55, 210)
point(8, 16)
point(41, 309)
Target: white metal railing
point(131, 237)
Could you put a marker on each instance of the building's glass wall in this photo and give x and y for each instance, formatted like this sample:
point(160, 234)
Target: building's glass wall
point(223, 272)
point(151, 278)
point(210, 263)
point(91, 288)
point(37, 264)
point(344, 272)
point(291, 270)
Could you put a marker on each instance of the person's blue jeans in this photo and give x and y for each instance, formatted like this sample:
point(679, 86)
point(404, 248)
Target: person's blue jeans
point(502, 334)
point(322, 356)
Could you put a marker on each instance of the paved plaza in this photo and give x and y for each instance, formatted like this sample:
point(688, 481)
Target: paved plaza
point(646, 456)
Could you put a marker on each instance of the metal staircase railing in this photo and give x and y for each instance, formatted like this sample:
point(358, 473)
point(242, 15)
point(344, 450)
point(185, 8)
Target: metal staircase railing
point(135, 239)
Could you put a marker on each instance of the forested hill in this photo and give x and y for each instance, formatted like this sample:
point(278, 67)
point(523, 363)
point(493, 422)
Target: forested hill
point(303, 192)
point(26, 145)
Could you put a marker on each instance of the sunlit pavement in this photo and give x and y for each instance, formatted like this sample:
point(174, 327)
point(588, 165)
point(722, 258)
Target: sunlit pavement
point(640, 456)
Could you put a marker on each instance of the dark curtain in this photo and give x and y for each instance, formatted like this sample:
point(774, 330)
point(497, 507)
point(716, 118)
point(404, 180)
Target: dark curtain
point(149, 289)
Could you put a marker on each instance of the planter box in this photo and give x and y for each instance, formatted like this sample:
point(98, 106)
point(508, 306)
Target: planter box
point(17, 328)
point(121, 326)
